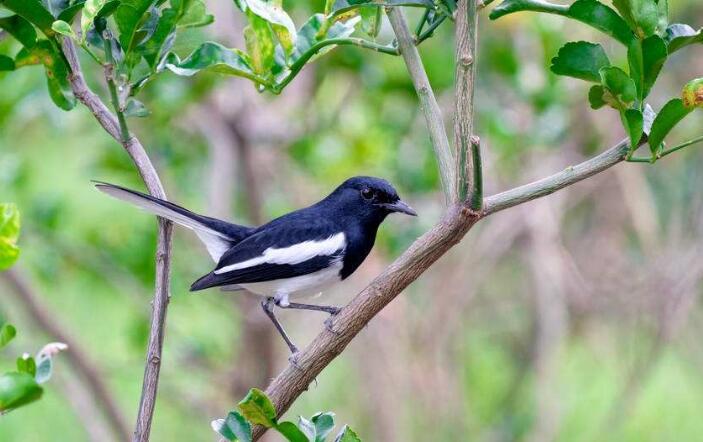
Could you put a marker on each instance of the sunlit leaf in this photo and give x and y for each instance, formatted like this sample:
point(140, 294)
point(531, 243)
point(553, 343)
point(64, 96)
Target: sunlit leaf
point(581, 60)
point(21, 29)
point(347, 435)
point(17, 389)
point(70, 13)
point(258, 37)
point(63, 28)
point(291, 432)
point(671, 114)
point(9, 233)
point(511, 6)
point(239, 426)
point(221, 428)
point(258, 409)
point(213, 57)
point(90, 12)
point(196, 16)
point(308, 429)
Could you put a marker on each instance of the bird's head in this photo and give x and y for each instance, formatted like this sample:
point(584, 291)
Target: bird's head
point(370, 196)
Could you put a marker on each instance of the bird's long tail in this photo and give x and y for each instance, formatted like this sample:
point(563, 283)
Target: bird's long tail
point(217, 235)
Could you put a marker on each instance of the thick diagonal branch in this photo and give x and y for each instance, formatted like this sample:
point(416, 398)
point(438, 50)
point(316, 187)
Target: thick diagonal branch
point(457, 221)
point(146, 170)
point(428, 102)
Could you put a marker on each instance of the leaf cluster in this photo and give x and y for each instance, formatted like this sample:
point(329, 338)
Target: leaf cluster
point(642, 27)
point(256, 409)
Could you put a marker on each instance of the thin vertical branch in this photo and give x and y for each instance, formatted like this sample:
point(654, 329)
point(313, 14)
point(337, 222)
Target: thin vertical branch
point(467, 150)
point(428, 102)
point(163, 243)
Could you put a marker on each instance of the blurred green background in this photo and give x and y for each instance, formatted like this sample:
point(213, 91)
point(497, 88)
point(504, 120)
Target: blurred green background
point(573, 318)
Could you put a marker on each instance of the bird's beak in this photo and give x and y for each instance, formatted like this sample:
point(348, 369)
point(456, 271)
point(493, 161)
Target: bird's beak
point(400, 207)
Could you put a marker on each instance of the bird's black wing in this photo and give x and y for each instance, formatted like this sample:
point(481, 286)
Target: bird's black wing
point(297, 245)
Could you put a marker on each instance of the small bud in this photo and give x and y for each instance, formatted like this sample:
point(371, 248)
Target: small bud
point(692, 94)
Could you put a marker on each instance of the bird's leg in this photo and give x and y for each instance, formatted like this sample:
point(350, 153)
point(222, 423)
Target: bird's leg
point(332, 310)
point(267, 304)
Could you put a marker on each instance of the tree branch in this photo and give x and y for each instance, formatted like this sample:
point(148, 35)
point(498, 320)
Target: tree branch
point(551, 184)
point(428, 102)
point(467, 153)
point(457, 221)
point(76, 354)
point(163, 244)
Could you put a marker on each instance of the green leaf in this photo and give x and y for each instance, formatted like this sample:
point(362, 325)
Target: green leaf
point(309, 35)
point(196, 16)
point(6, 63)
point(341, 6)
point(7, 334)
point(239, 426)
point(371, 20)
point(671, 114)
point(633, 120)
point(17, 389)
point(26, 364)
point(596, 97)
point(589, 12)
point(32, 11)
point(619, 85)
point(291, 432)
point(645, 17)
point(90, 12)
point(646, 58)
point(56, 71)
point(44, 368)
point(258, 37)
point(308, 429)
point(581, 60)
point(135, 108)
point(692, 94)
point(128, 16)
point(324, 424)
point(55, 6)
point(511, 6)
point(213, 57)
point(274, 14)
point(602, 18)
point(347, 435)
point(221, 428)
point(679, 36)
point(63, 28)
point(70, 13)
point(9, 233)
point(258, 409)
point(21, 29)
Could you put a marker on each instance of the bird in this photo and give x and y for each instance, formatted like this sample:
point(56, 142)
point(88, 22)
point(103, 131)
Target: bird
point(295, 256)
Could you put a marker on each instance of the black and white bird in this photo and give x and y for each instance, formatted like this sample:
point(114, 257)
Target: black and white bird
point(291, 257)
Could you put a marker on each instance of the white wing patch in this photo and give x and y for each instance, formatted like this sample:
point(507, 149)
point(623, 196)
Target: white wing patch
point(294, 254)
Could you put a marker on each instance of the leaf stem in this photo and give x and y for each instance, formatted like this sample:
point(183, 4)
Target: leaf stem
point(422, 22)
point(681, 146)
point(92, 54)
point(300, 62)
point(430, 30)
point(114, 97)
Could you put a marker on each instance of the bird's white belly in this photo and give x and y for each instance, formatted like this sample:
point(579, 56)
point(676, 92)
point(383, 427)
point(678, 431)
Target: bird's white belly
point(298, 286)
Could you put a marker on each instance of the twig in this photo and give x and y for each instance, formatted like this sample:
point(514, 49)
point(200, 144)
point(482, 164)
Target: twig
point(428, 102)
point(457, 221)
point(551, 184)
point(467, 153)
point(112, 87)
point(664, 153)
point(76, 355)
point(163, 244)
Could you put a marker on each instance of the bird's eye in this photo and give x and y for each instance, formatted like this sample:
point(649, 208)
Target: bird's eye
point(367, 193)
